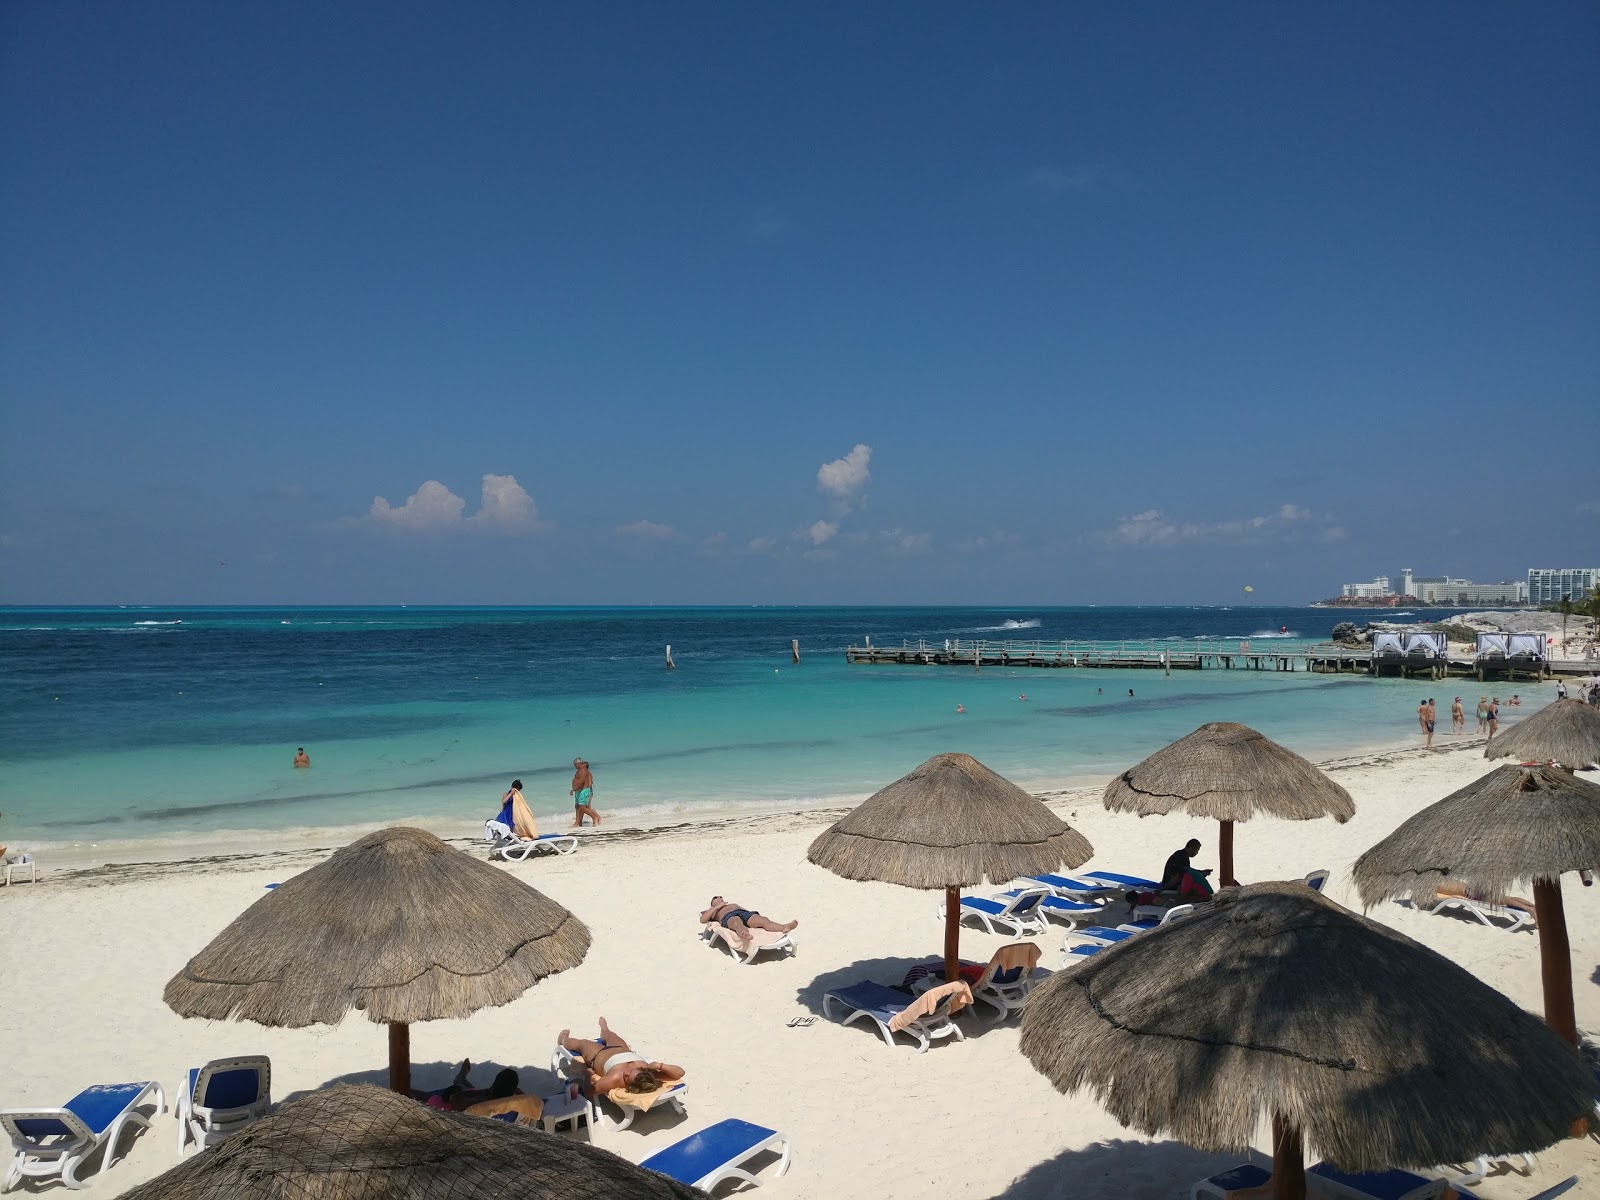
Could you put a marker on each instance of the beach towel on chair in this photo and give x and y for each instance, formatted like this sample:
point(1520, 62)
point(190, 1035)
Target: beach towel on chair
point(1017, 954)
point(526, 1109)
point(623, 1098)
point(522, 822)
point(958, 993)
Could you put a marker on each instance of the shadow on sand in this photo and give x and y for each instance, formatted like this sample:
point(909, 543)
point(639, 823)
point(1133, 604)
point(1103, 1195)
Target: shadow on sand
point(1124, 1170)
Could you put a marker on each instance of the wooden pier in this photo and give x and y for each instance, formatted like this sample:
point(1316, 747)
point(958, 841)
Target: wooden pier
point(1325, 658)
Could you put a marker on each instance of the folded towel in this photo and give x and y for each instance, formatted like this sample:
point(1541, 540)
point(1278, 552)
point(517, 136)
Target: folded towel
point(642, 1100)
point(960, 996)
point(528, 1109)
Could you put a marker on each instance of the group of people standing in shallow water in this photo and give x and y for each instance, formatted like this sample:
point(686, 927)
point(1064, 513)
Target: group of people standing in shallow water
point(1488, 716)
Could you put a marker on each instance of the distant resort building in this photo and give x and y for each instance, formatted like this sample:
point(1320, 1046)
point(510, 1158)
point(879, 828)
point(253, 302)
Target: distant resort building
point(1546, 585)
point(1442, 591)
point(1367, 591)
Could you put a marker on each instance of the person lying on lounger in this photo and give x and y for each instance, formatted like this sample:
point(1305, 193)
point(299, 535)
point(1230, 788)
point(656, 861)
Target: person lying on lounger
point(613, 1064)
point(457, 1096)
point(739, 919)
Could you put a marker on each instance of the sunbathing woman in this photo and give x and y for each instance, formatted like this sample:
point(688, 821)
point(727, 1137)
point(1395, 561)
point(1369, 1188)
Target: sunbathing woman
point(613, 1064)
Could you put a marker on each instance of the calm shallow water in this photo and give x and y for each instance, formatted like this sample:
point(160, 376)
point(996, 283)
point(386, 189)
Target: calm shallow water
point(147, 723)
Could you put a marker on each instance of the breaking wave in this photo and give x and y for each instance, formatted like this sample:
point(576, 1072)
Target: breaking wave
point(1006, 626)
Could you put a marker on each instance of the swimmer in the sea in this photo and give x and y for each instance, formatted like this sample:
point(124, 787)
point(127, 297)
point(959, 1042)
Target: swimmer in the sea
point(301, 758)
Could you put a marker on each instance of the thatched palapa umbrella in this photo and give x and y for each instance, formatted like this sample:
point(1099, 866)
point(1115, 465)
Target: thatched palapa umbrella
point(1228, 772)
point(1514, 824)
point(1273, 1001)
point(949, 824)
point(1566, 732)
point(363, 1143)
point(398, 925)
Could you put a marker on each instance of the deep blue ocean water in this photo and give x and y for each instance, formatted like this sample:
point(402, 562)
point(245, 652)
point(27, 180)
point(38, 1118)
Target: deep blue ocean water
point(128, 723)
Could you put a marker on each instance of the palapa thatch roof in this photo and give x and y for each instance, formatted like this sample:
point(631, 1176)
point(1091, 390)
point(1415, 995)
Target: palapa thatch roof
point(950, 823)
point(1273, 1000)
point(1514, 824)
point(1228, 772)
point(1567, 732)
point(397, 924)
point(362, 1143)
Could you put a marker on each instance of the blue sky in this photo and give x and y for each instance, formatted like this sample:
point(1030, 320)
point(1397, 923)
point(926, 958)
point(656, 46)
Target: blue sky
point(754, 303)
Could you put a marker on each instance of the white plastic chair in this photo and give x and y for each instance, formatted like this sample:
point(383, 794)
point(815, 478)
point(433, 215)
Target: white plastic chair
point(23, 862)
point(219, 1099)
point(880, 1005)
point(1485, 913)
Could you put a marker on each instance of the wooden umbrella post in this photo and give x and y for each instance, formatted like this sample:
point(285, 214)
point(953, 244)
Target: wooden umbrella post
point(1225, 856)
point(1288, 1162)
point(952, 934)
point(400, 1058)
point(1555, 970)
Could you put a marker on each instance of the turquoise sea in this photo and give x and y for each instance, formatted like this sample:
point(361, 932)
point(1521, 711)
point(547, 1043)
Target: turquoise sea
point(135, 723)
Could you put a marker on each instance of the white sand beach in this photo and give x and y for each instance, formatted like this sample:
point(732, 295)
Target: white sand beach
point(86, 954)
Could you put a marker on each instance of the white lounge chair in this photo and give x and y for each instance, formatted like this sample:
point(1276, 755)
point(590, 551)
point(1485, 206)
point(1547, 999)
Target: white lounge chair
point(1519, 918)
point(221, 1098)
point(705, 1159)
point(566, 1065)
point(522, 849)
point(1069, 888)
point(19, 864)
point(1107, 935)
point(1071, 911)
point(1316, 881)
point(1019, 911)
point(880, 1005)
point(760, 941)
point(52, 1143)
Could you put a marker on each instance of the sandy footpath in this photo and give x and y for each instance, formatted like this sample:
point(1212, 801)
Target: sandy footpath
point(85, 955)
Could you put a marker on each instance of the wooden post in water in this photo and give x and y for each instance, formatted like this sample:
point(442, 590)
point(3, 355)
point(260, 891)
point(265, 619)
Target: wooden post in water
point(794, 648)
point(671, 666)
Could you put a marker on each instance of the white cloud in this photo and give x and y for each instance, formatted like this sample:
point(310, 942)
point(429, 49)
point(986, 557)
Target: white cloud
point(821, 531)
point(760, 545)
point(902, 542)
point(1334, 533)
point(505, 505)
point(1154, 528)
point(649, 531)
point(433, 508)
point(844, 480)
point(715, 543)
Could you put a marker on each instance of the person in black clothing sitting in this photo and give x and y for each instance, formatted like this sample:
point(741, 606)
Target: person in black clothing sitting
point(1179, 875)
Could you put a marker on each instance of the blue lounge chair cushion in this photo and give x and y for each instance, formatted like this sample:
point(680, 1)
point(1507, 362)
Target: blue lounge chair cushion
point(982, 905)
point(1246, 1175)
point(873, 997)
point(1085, 951)
point(703, 1152)
point(1008, 977)
point(1106, 934)
point(1062, 883)
point(238, 1088)
point(1380, 1185)
point(95, 1106)
point(1132, 881)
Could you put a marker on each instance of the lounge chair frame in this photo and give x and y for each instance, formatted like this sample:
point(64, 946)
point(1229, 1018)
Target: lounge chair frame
point(937, 1024)
point(732, 1167)
point(1019, 910)
point(566, 1065)
point(715, 934)
point(522, 849)
point(1519, 919)
point(57, 1154)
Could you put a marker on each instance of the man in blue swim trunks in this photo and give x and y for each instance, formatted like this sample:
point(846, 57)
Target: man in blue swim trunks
point(739, 919)
point(582, 794)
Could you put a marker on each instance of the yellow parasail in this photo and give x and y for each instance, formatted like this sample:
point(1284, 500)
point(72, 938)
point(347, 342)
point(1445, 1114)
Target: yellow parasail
point(1248, 588)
